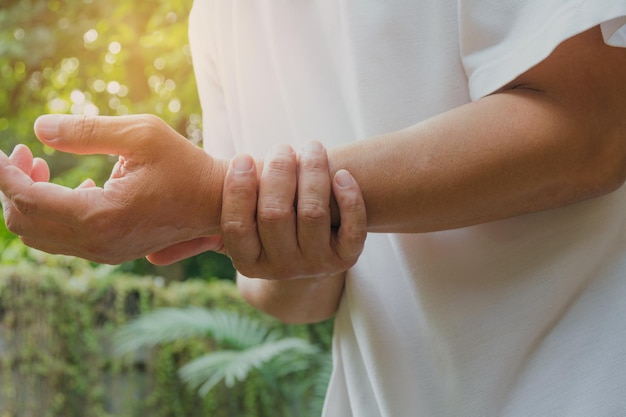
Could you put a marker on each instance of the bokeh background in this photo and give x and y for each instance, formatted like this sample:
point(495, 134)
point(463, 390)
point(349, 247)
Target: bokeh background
point(98, 57)
point(89, 340)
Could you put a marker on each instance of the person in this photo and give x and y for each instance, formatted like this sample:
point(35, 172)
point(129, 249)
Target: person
point(487, 142)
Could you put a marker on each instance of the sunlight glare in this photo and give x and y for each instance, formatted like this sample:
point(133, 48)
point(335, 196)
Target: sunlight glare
point(115, 47)
point(90, 36)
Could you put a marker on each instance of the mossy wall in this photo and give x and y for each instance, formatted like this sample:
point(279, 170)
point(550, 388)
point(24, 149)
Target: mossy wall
point(56, 323)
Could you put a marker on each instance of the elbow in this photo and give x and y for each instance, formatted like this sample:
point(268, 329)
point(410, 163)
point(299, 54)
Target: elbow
point(286, 301)
point(605, 166)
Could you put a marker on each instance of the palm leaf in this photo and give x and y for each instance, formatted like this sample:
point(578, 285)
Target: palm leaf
point(171, 324)
point(233, 366)
point(320, 382)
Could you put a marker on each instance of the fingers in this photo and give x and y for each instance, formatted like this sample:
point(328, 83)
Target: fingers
point(350, 237)
point(36, 168)
point(27, 202)
point(276, 213)
point(185, 250)
point(40, 171)
point(118, 135)
point(22, 158)
point(239, 206)
point(267, 238)
point(313, 207)
point(88, 183)
point(55, 202)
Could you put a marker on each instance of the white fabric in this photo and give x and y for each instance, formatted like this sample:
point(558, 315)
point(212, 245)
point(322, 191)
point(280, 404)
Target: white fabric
point(522, 317)
point(614, 32)
point(500, 39)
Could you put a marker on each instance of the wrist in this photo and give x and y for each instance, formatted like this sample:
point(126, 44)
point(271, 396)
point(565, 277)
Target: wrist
point(213, 196)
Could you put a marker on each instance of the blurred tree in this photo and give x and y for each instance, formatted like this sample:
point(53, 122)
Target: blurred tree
point(97, 57)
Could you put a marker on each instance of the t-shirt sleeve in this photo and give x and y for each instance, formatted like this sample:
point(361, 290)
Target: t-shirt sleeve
point(502, 39)
point(216, 134)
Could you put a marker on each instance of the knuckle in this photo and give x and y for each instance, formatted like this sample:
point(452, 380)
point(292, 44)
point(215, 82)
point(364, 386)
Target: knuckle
point(313, 211)
point(87, 127)
point(280, 164)
point(351, 244)
point(354, 210)
point(352, 203)
point(147, 127)
point(150, 122)
point(24, 203)
point(274, 212)
point(313, 163)
point(239, 189)
point(356, 235)
point(353, 232)
point(234, 227)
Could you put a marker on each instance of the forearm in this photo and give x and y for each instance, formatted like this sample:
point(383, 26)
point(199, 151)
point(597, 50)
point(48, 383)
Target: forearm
point(294, 301)
point(557, 139)
point(554, 136)
point(504, 156)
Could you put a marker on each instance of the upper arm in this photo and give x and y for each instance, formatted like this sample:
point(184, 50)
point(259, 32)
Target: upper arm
point(584, 82)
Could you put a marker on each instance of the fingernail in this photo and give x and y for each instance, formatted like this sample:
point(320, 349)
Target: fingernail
point(281, 149)
point(344, 179)
point(313, 146)
point(47, 126)
point(242, 163)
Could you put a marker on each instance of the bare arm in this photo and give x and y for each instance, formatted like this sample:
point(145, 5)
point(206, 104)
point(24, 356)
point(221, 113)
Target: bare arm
point(298, 301)
point(554, 136)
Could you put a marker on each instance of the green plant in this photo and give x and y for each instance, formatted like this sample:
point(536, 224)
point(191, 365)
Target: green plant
point(58, 315)
point(245, 350)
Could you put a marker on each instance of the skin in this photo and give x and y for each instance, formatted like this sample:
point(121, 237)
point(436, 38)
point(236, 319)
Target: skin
point(136, 212)
point(554, 136)
point(266, 236)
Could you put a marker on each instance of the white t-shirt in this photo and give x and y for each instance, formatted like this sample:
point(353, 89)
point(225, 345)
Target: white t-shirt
point(520, 317)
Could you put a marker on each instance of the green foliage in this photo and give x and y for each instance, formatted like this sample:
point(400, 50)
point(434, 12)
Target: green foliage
point(58, 316)
point(107, 57)
point(94, 57)
point(246, 349)
point(169, 325)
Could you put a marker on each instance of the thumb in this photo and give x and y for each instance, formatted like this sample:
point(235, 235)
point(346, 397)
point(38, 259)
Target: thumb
point(114, 135)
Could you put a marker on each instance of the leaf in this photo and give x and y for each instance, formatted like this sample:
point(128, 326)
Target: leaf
point(235, 366)
point(169, 324)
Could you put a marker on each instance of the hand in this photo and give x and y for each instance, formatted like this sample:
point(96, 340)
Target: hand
point(275, 239)
point(163, 190)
